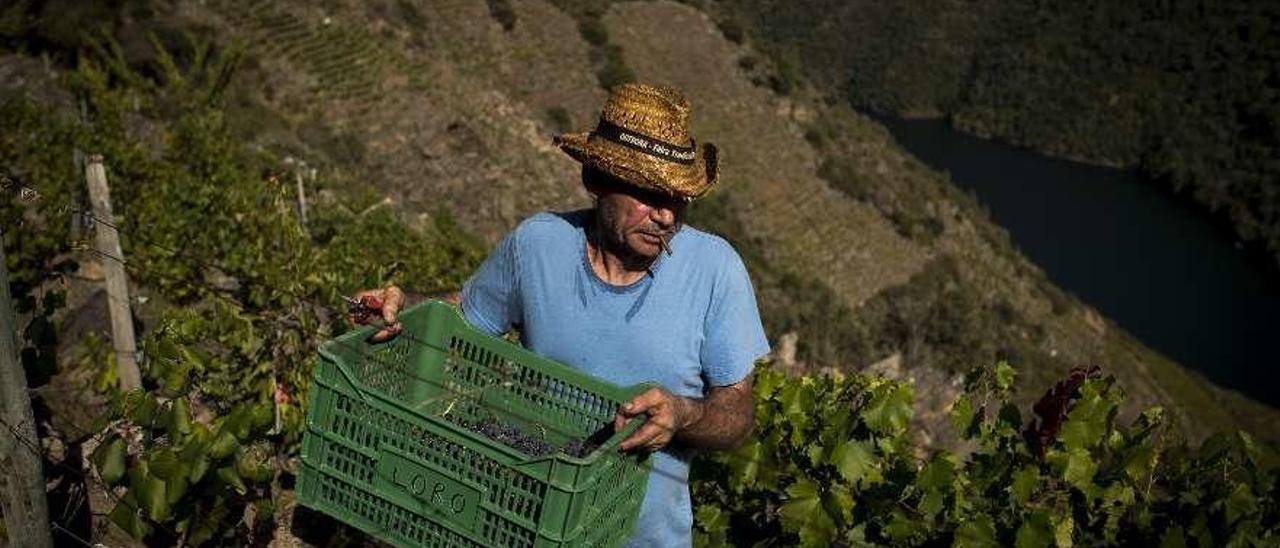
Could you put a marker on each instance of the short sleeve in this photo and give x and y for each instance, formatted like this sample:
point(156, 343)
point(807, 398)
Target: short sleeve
point(733, 335)
point(491, 297)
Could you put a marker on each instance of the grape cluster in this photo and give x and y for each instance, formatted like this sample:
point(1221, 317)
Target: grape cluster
point(512, 437)
point(583, 447)
point(515, 438)
point(578, 448)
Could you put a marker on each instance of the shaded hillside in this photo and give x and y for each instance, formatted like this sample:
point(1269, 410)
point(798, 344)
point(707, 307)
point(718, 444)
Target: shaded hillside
point(1188, 91)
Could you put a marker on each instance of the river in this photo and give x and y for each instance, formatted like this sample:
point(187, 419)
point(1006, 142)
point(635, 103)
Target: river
point(1157, 265)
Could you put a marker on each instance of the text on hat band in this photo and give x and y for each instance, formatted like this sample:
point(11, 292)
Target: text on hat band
point(647, 145)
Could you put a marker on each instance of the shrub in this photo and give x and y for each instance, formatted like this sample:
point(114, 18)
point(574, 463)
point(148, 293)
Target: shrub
point(502, 12)
point(732, 30)
point(593, 31)
point(411, 15)
point(615, 71)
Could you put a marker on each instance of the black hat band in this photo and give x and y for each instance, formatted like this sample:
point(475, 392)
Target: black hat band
point(648, 145)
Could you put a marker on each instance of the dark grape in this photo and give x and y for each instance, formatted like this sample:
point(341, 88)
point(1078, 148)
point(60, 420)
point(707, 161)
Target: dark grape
point(1053, 407)
point(512, 437)
point(583, 447)
point(577, 448)
point(515, 438)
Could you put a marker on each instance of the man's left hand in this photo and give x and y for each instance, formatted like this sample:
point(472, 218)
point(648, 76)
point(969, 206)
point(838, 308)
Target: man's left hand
point(667, 413)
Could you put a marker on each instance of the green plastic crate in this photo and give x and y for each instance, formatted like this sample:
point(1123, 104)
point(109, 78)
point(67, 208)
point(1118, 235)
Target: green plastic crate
point(384, 449)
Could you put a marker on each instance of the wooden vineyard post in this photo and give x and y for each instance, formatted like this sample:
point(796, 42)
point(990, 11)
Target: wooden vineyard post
point(302, 198)
point(76, 220)
point(107, 242)
point(22, 494)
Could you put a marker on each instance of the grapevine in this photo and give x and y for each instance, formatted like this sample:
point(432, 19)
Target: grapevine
point(830, 465)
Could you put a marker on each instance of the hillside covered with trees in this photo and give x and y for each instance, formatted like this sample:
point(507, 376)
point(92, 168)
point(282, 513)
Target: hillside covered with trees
point(1188, 91)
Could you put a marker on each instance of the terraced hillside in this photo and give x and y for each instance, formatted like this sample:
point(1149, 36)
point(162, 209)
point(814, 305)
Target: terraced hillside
point(343, 64)
point(783, 201)
point(439, 105)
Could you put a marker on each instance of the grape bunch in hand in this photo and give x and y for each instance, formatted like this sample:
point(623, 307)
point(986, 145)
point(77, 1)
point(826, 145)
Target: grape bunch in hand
point(372, 306)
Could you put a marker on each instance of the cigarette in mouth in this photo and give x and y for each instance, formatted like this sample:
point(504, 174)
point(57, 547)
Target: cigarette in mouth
point(665, 246)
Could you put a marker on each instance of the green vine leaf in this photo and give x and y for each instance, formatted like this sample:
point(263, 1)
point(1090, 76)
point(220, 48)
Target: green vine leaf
point(889, 410)
point(224, 444)
point(179, 424)
point(839, 503)
point(976, 532)
point(162, 463)
point(803, 514)
point(1063, 529)
point(1035, 531)
point(1004, 374)
point(712, 519)
point(1240, 503)
point(743, 464)
point(199, 467)
point(1087, 422)
point(1024, 484)
point(176, 485)
point(963, 415)
point(900, 528)
point(938, 474)
point(228, 475)
point(1076, 468)
point(152, 498)
point(126, 516)
point(797, 401)
point(109, 458)
point(853, 460)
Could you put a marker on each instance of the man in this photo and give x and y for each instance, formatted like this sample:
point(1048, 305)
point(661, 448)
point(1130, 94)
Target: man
point(626, 292)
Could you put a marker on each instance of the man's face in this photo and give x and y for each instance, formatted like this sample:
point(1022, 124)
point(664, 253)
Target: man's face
point(634, 221)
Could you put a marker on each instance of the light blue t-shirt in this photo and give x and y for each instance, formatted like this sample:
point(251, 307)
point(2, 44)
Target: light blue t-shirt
point(691, 323)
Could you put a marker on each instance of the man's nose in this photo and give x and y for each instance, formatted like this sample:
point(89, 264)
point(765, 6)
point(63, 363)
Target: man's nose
point(662, 216)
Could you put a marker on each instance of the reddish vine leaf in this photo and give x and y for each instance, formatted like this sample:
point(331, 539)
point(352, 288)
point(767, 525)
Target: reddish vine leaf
point(1051, 410)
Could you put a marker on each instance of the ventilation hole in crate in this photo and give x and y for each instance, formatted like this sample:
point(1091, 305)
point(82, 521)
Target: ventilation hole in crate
point(387, 369)
point(503, 532)
point(349, 462)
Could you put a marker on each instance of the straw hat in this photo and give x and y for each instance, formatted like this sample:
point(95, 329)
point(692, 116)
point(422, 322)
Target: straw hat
point(643, 138)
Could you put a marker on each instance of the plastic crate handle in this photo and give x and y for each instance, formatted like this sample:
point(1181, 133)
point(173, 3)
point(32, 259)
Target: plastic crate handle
point(634, 424)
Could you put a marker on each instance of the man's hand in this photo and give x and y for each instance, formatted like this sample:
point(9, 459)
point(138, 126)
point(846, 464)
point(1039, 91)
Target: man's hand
point(668, 414)
point(721, 421)
point(392, 300)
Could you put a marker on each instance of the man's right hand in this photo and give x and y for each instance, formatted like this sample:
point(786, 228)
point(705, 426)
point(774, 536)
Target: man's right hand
point(392, 299)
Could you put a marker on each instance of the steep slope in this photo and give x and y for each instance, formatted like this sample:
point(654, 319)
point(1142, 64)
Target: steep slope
point(770, 171)
point(460, 113)
point(781, 199)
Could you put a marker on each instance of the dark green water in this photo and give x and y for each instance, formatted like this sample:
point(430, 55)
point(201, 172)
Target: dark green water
point(1158, 265)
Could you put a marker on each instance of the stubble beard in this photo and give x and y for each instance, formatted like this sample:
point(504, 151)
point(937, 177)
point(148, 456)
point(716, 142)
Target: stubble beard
point(616, 242)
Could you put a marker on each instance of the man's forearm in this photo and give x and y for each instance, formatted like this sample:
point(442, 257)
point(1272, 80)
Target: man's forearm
point(721, 421)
